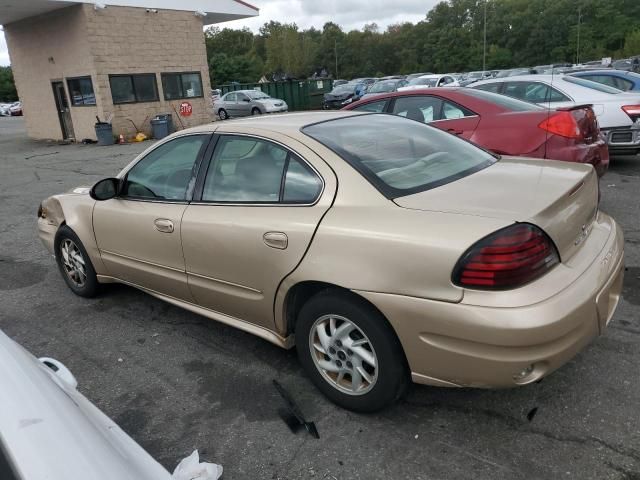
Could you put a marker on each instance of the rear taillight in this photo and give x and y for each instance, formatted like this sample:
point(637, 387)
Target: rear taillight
point(508, 258)
point(633, 111)
point(563, 124)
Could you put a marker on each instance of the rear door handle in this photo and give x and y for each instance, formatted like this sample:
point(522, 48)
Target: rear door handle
point(277, 240)
point(164, 225)
point(454, 131)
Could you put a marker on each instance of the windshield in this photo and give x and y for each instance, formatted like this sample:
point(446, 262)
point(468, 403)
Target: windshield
point(342, 89)
point(430, 82)
point(508, 103)
point(256, 95)
point(409, 157)
point(382, 87)
point(593, 85)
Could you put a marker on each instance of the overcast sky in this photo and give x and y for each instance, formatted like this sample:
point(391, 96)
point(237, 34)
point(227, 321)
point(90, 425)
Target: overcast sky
point(350, 14)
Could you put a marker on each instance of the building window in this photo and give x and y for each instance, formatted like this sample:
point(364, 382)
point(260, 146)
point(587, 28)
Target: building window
point(81, 91)
point(133, 88)
point(181, 85)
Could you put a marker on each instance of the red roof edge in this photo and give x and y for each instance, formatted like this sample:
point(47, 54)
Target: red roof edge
point(247, 5)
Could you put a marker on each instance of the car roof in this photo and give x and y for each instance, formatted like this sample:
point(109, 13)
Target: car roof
point(279, 123)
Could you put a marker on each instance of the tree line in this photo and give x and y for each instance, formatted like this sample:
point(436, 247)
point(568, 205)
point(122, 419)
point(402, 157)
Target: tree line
point(449, 39)
point(7, 87)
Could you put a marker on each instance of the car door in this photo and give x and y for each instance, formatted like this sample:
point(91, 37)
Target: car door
point(456, 119)
point(138, 232)
point(254, 215)
point(243, 105)
point(231, 103)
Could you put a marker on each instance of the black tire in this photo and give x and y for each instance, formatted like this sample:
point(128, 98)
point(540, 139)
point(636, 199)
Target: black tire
point(256, 111)
point(90, 287)
point(392, 371)
point(222, 113)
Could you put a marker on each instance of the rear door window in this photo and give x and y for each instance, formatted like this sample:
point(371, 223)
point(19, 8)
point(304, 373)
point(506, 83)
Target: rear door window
point(490, 87)
point(535, 92)
point(422, 108)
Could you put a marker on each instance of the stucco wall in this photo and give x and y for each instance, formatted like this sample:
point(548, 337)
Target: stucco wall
point(81, 40)
point(47, 48)
point(131, 40)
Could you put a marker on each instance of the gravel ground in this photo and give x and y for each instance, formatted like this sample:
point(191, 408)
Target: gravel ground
point(176, 381)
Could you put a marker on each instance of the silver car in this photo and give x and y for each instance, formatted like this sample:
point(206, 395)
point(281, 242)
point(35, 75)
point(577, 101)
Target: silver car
point(242, 103)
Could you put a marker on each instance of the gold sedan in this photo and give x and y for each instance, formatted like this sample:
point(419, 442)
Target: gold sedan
point(385, 249)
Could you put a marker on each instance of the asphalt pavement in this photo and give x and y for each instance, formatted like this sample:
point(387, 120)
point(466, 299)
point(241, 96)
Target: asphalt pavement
point(176, 381)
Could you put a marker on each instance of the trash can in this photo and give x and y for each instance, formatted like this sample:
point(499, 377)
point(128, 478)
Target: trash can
point(159, 127)
point(104, 133)
point(169, 119)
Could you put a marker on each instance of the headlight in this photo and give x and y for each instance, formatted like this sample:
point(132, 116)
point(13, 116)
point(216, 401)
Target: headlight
point(347, 101)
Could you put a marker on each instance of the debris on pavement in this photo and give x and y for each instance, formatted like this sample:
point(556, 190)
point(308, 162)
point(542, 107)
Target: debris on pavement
point(190, 468)
point(532, 413)
point(292, 416)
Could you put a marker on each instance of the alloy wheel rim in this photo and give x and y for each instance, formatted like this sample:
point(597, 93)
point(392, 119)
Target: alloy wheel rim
point(73, 263)
point(343, 354)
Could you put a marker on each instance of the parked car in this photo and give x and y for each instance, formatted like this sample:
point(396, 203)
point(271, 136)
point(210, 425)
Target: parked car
point(411, 76)
point(514, 72)
point(620, 79)
point(427, 81)
point(628, 64)
point(247, 102)
point(434, 260)
point(339, 82)
point(49, 430)
point(366, 82)
point(501, 124)
point(16, 109)
point(4, 109)
point(342, 95)
point(384, 86)
point(618, 112)
point(472, 77)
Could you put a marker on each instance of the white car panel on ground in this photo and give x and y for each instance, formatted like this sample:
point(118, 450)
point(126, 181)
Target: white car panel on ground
point(50, 431)
point(618, 112)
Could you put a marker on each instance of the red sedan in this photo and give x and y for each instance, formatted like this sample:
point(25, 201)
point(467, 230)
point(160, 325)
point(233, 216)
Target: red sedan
point(501, 124)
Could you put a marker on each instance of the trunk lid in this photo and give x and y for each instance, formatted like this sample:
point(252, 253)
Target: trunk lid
point(561, 198)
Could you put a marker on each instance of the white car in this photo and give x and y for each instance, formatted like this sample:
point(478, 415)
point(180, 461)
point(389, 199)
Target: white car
point(618, 112)
point(428, 81)
point(49, 430)
point(5, 109)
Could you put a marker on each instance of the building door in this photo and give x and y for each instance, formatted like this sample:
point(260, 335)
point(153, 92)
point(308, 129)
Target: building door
point(64, 113)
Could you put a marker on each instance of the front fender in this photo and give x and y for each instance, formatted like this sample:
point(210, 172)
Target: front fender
point(75, 210)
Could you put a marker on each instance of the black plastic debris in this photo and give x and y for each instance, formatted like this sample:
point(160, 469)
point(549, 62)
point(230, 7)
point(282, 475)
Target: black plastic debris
point(292, 415)
point(532, 413)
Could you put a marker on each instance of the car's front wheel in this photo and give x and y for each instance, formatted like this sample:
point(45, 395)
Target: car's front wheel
point(74, 263)
point(350, 352)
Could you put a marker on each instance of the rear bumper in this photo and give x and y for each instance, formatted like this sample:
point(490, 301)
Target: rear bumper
point(596, 153)
point(449, 344)
point(624, 139)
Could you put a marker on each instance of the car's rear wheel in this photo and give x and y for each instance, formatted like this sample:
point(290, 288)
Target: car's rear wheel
point(222, 113)
point(350, 352)
point(74, 263)
point(256, 111)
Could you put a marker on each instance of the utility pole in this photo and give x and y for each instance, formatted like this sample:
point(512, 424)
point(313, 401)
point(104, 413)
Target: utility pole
point(484, 47)
point(578, 42)
point(335, 51)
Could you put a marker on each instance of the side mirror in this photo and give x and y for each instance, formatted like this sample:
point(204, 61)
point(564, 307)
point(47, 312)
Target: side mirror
point(246, 100)
point(105, 189)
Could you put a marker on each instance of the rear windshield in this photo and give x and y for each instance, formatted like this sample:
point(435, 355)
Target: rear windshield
point(399, 156)
point(508, 103)
point(594, 85)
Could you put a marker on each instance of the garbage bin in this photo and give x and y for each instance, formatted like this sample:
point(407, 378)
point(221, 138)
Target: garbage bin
point(169, 119)
point(104, 133)
point(159, 127)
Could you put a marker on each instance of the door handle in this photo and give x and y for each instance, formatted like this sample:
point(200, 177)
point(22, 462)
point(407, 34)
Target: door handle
point(454, 131)
point(164, 225)
point(277, 240)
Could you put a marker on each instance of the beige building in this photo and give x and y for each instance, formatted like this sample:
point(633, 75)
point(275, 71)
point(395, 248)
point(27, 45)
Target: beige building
point(124, 60)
